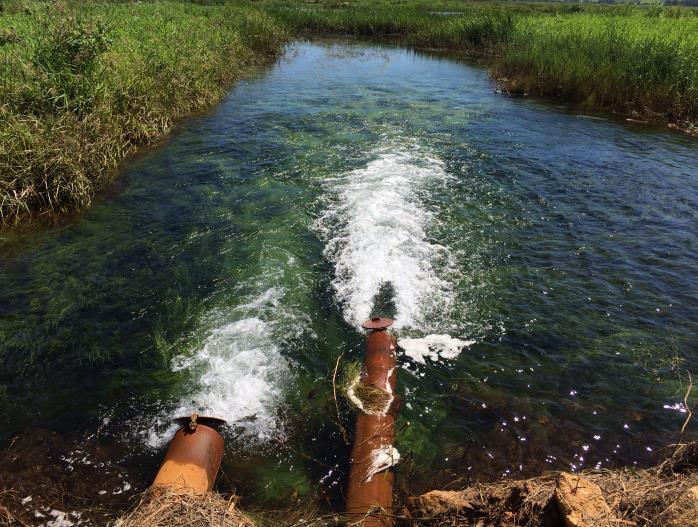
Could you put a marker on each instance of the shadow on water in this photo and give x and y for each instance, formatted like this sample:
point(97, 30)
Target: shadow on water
point(384, 301)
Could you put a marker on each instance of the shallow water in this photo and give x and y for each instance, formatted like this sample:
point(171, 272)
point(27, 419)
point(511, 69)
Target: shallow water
point(547, 257)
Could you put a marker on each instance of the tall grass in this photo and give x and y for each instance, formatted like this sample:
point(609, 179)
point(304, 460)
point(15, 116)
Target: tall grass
point(480, 30)
point(82, 85)
point(635, 63)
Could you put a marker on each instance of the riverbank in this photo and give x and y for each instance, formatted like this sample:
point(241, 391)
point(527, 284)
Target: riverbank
point(662, 496)
point(83, 85)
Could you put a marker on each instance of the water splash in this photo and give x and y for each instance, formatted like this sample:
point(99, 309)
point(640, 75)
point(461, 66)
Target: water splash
point(433, 347)
point(375, 226)
point(239, 366)
point(238, 372)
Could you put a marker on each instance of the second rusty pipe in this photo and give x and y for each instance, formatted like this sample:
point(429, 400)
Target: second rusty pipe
point(370, 494)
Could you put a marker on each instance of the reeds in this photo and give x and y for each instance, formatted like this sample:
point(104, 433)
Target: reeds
point(633, 63)
point(478, 30)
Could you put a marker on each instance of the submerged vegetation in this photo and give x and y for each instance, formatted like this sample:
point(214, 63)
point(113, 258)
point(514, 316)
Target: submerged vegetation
point(82, 84)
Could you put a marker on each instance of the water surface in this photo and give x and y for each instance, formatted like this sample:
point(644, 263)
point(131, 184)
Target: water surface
point(231, 266)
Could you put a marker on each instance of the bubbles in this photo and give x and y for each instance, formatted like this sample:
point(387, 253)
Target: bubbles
point(376, 231)
point(238, 368)
point(433, 347)
point(238, 373)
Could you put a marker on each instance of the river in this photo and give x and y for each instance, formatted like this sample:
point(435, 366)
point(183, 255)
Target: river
point(539, 261)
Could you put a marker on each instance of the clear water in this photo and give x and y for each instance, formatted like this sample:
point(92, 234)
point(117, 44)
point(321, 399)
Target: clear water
point(228, 268)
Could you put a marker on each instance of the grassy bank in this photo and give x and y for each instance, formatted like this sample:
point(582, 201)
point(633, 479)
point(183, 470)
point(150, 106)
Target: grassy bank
point(641, 63)
point(82, 85)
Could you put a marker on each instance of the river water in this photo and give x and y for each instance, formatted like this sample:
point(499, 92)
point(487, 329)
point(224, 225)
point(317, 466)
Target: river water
point(540, 264)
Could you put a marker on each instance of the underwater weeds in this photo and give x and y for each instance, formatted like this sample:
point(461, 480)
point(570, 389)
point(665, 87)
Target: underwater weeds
point(84, 84)
point(641, 62)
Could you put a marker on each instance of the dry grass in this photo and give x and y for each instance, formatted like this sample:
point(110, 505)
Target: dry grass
point(7, 517)
point(659, 496)
point(374, 400)
point(656, 497)
point(162, 508)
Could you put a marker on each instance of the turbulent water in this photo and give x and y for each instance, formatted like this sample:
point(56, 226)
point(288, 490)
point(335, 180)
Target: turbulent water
point(375, 226)
point(539, 264)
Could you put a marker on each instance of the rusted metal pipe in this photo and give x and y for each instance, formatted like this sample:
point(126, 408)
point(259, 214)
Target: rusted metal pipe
point(370, 493)
point(193, 457)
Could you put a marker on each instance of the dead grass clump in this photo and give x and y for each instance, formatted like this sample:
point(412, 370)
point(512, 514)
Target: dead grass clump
point(647, 498)
point(163, 508)
point(366, 397)
point(661, 496)
point(505, 503)
point(6, 514)
point(375, 400)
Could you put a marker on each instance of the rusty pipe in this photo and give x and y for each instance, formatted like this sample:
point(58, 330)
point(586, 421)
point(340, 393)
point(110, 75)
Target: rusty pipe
point(369, 494)
point(193, 456)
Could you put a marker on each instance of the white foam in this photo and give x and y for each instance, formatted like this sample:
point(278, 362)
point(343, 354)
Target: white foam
point(238, 373)
point(375, 227)
point(433, 347)
point(382, 458)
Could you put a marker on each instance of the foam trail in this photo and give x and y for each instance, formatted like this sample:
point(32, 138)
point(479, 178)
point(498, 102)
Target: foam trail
point(238, 371)
point(375, 228)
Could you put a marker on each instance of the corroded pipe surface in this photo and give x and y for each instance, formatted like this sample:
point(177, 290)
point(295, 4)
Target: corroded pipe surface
point(192, 459)
point(370, 494)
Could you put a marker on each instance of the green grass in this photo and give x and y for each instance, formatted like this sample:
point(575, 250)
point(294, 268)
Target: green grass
point(631, 64)
point(83, 84)
point(480, 29)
